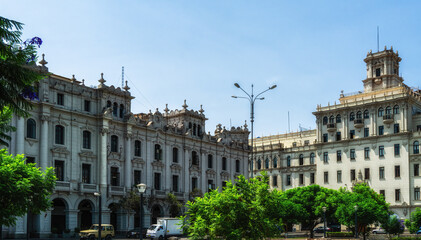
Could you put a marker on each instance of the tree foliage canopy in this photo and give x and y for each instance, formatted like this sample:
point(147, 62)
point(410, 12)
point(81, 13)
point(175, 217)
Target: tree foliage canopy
point(414, 222)
point(23, 187)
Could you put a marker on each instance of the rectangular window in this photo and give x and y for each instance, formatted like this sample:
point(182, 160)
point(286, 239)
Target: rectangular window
point(175, 183)
point(338, 155)
point(339, 176)
point(86, 173)
point(397, 150)
point(194, 183)
point(352, 154)
point(381, 130)
point(338, 136)
point(224, 163)
point(87, 106)
point(115, 176)
point(60, 99)
point(224, 184)
point(351, 134)
point(211, 185)
point(275, 181)
point(366, 132)
point(301, 179)
point(59, 167)
point(30, 160)
point(326, 177)
point(157, 181)
point(397, 171)
point(294, 144)
point(397, 195)
point(210, 161)
point(312, 178)
point(416, 169)
point(137, 177)
point(381, 172)
point(383, 193)
point(367, 153)
point(175, 155)
point(381, 151)
point(325, 157)
point(417, 193)
point(288, 182)
point(366, 173)
point(325, 137)
point(352, 174)
point(306, 142)
point(137, 148)
point(396, 128)
point(377, 72)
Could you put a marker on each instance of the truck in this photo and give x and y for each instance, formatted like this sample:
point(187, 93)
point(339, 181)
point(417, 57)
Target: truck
point(165, 228)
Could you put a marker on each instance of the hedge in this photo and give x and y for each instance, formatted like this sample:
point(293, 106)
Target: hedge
point(340, 234)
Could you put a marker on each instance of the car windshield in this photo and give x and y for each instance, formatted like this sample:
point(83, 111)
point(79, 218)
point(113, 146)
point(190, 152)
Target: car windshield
point(152, 227)
point(93, 227)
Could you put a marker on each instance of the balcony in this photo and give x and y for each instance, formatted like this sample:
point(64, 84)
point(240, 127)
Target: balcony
point(87, 188)
point(159, 193)
point(116, 190)
point(359, 123)
point(331, 127)
point(388, 119)
point(62, 186)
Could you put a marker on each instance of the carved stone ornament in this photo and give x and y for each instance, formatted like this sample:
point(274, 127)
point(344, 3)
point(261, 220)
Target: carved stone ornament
point(225, 174)
point(210, 173)
point(45, 118)
point(157, 165)
point(373, 146)
point(61, 152)
point(103, 131)
point(175, 167)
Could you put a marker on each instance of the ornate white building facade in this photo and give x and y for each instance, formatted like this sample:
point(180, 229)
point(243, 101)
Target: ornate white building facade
point(371, 135)
point(96, 144)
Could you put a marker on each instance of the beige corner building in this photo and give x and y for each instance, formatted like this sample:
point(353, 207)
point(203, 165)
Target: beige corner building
point(371, 135)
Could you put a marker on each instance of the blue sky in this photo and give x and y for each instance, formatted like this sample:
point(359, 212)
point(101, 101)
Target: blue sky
point(197, 50)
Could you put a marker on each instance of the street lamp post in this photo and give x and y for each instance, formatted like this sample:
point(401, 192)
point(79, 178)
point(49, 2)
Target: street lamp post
point(252, 99)
point(324, 222)
point(356, 223)
point(98, 194)
point(141, 187)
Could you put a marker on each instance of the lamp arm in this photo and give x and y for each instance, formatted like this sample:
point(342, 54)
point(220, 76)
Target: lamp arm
point(245, 92)
point(261, 94)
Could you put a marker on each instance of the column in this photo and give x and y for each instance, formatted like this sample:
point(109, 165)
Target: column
point(43, 153)
point(103, 159)
point(72, 219)
point(204, 168)
point(186, 172)
point(168, 162)
point(403, 118)
point(20, 135)
point(345, 126)
point(374, 121)
point(75, 149)
point(218, 167)
point(245, 163)
point(128, 162)
point(148, 160)
point(231, 168)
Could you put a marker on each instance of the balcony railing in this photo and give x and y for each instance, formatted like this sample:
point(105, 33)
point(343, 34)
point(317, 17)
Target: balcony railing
point(331, 127)
point(116, 190)
point(87, 187)
point(62, 186)
point(388, 118)
point(359, 123)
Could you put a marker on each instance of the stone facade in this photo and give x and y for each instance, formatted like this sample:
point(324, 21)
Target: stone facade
point(372, 136)
point(96, 144)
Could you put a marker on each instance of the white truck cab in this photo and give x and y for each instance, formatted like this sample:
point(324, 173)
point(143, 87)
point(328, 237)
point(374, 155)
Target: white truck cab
point(165, 228)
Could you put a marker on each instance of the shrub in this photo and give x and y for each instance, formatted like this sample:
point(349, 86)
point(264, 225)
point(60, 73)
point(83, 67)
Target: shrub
point(340, 234)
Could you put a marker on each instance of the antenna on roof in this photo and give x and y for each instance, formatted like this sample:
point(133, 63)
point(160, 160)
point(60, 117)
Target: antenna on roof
point(377, 38)
point(122, 76)
point(289, 129)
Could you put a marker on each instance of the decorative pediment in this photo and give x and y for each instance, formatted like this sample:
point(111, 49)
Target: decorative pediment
point(195, 168)
point(61, 152)
point(138, 160)
point(114, 156)
point(225, 174)
point(176, 167)
point(87, 154)
point(31, 141)
point(157, 165)
point(210, 173)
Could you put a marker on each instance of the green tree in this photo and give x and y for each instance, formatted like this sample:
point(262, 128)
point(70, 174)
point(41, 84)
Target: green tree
point(18, 76)
point(243, 210)
point(130, 202)
point(414, 222)
point(312, 199)
point(372, 208)
point(5, 127)
point(174, 204)
point(23, 188)
point(393, 226)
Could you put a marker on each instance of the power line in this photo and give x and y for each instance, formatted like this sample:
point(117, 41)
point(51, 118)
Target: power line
point(141, 94)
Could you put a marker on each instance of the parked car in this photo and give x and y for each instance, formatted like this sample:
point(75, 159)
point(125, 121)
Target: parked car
point(335, 228)
point(135, 233)
point(107, 232)
point(419, 231)
point(320, 229)
point(379, 231)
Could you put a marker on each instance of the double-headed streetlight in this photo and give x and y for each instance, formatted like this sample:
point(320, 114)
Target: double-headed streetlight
point(324, 222)
point(356, 223)
point(98, 195)
point(252, 99)
point(141, 187)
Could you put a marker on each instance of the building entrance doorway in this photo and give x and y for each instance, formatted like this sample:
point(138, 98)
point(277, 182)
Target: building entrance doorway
point(85, 214)
point(58, 216)
point(156, 213)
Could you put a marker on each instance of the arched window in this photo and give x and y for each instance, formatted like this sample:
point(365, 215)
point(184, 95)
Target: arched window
point(396, 109)
point(259, 164)
point(158, 152)
point(325, 120)
point(366, 114)
point(137, 148)
point(416, 147)
point(388, 110)
point(380, 112)
point(31, 128)
point(175, 155)
point(115, 109)
point(195, 158)
point(190, 125)
point(351, 116)
point(289, 161)
point(86, 139)
point(359, 115)
point(331, 119)
point(301, 159)
point(311, 158)
point(121, 110)
point(267, 163)
point(275, 162)
point(59, 134)
point(338, 118)
point(108, 104)
point(237, 166)
point(114, 143)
